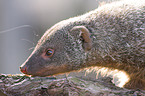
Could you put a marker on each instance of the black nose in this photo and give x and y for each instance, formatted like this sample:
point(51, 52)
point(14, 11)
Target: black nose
point(23, 69)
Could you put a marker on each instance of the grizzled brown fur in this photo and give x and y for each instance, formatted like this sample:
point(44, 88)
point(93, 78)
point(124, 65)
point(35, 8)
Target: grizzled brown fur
point(111, 36)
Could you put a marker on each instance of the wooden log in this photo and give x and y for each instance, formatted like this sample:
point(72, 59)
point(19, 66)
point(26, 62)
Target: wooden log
point(21, 85)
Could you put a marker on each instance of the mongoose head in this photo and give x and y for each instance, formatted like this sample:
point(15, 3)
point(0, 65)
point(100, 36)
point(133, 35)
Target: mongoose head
point(61, 49)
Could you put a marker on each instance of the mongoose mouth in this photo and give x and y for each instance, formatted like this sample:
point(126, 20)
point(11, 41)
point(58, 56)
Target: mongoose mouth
point(45, 71)
point(51, 70)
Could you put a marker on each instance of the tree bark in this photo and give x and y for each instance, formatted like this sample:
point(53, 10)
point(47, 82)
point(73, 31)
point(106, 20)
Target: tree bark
point(21, 85)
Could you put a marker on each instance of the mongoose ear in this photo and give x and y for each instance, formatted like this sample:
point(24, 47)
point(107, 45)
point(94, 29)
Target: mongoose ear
point(85, 36)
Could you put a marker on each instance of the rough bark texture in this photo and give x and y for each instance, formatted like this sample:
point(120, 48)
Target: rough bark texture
point(20, 85)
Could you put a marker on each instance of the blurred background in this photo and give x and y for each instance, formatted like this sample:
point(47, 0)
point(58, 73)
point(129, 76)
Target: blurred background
point(36, 16)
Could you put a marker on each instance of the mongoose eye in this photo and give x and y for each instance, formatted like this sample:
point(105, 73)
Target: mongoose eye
point(49, 52)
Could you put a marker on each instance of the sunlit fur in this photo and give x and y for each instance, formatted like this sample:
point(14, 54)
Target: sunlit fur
point(122, 77)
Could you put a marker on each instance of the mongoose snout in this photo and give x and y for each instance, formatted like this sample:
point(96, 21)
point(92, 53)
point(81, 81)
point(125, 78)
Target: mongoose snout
point(23, 69)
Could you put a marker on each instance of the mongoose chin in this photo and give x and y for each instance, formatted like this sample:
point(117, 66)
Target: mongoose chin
point(112, 36)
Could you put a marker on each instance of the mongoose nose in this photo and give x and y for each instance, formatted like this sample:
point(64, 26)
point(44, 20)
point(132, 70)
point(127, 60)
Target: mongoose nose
point(23, 69)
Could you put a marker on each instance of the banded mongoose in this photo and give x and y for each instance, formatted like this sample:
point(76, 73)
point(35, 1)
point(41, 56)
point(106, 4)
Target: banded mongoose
point(111, 36)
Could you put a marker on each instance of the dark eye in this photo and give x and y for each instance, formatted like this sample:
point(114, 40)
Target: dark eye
point(49, 52)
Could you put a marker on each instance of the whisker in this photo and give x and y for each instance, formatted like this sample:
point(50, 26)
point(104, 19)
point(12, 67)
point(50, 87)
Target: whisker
point(28, 41)
point(23, 26)
point(31, 48)
point(16, 28)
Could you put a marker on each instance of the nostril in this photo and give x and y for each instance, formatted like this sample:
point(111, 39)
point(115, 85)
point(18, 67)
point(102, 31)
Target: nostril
point(23, 69)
